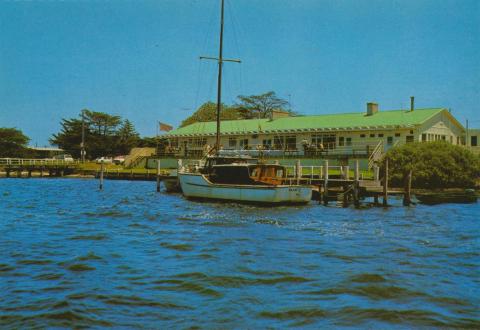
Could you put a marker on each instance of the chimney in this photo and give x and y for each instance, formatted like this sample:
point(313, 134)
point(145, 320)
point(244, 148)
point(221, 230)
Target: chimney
point(412, 103)
point(372, 108)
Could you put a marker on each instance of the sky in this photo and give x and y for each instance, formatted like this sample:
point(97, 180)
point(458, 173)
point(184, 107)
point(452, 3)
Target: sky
point(140, 59)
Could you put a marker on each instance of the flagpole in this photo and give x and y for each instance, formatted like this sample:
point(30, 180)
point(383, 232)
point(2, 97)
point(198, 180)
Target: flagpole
point(156, 148)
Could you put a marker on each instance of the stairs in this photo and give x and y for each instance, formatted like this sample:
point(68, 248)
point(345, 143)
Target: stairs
point(376, 155)
point(137, 155)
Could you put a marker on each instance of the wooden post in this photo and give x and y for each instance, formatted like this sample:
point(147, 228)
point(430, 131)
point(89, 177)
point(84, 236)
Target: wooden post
point(356, 200)
point(376, 173)
point(298, 171)
point(158, 175)
point(7, 171)
point(347, 172)
point(41, 171)
point(29, 173)
point(407, 197)
point(385, 184)
point(345, 195)
point(102, 169)
point(325, 185)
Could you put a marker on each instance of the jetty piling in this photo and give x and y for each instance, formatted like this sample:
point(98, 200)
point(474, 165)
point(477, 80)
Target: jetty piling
point(102, 169)
point(385, 183)
point(158, 175)
point(325, 184)
point(407, 197)
point(356, 200)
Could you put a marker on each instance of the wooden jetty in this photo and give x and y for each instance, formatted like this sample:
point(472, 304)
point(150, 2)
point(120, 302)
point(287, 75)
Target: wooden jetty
point(42, 167)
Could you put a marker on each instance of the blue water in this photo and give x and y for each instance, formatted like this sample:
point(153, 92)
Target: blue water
point(128, 257)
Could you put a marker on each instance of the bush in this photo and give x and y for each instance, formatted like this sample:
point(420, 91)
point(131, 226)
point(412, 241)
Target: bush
point(434, 165)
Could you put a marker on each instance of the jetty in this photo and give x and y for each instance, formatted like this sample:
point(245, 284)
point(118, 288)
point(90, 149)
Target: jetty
point(42, 167)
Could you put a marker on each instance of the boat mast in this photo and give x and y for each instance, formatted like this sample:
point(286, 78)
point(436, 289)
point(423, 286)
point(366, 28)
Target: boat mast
point(219, 82)
point(220, 61)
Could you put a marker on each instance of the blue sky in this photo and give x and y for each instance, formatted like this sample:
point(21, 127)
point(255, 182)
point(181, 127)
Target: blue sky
point(139, 59)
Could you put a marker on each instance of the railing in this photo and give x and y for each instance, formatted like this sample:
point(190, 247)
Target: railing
point(362, 149)
point(376, 154)
point(35, 162)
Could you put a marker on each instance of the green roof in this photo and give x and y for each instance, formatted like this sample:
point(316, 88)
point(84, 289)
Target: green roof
point(344, 121)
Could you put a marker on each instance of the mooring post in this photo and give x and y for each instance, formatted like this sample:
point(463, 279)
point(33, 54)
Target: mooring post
point(298, 171)
point(30, 173)
point(325, 185)
point(407, 197)
point(7, 171)
point(385, 184)
point(158, 175)
point(345, 195)
point(101, 175)
point(356, 201)
point(376, 173)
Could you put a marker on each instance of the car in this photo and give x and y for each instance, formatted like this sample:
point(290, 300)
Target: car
point(105, 160)
point(119, 160)
point(64, 157)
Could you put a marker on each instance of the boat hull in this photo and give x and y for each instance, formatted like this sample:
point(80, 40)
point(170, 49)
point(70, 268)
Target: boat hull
point(195, 185)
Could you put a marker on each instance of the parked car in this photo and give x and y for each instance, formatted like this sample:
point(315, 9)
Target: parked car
point(105, 160)
point(64, 157)
point(119, 160)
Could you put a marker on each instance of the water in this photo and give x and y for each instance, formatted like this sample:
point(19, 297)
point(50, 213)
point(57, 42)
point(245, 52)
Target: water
point(127, 257)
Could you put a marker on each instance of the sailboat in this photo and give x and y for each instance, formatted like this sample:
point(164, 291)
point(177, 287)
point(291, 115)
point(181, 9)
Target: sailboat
point(240, 179)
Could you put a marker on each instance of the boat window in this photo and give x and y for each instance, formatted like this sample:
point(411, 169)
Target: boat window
point(279, 173)
point(232, 142)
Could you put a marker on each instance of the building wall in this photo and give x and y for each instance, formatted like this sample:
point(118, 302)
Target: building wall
point(439, 127)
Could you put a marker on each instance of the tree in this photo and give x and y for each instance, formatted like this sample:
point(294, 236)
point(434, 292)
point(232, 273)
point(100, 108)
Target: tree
point(13, 143)
point(127, 138)
point(261, 106)
point(434, 165)
point(105, 135)
point(208, 112)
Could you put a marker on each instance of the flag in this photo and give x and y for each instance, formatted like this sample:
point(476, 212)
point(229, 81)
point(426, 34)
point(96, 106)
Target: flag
point(165, 127)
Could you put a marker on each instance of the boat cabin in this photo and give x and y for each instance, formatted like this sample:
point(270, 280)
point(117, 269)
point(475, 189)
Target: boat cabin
point(248, 174)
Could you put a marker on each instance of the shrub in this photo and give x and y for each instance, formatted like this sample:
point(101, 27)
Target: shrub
point(434, 165)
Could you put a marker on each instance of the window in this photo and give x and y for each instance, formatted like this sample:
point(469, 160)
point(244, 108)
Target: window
point(349, 141)
point(174, 143)
point(424, 137)
point(328, 141)
point(362, 135)
point(411, 132)
point(244, 144)
point(372, 134)
point(397, 134)
point(444, 138)
point(390, 140)
point(473, 141)
point(341, 141)
point(380, 135)
point(409, 138)
point(267, 144)
point(278, 142)
point(291, 142)
point(232, 142)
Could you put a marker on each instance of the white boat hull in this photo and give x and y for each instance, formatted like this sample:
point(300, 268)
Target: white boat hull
point(195, 185)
